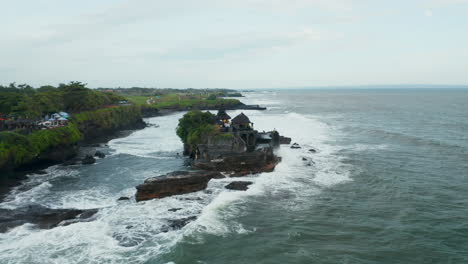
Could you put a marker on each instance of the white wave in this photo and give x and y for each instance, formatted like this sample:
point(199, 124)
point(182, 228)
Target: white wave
point(31, 196)
point(293, 178)
point(129, 232)
point(368, 147)
point(151, 141)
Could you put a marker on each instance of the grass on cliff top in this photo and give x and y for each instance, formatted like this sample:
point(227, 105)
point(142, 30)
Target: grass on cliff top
point(183, 101)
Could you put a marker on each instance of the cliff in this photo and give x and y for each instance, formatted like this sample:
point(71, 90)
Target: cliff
point(93, 124)
point(59, 144)
point(233, 149)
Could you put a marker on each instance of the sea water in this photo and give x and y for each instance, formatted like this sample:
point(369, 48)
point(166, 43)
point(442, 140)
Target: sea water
point(388, 183)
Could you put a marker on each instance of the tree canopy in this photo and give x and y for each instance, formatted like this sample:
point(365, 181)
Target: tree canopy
point(23, 100)
point(193, 125)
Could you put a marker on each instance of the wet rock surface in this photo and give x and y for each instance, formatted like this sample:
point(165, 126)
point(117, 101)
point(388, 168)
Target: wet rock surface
point(284, 140)
point(240, 164)
point(88, 159)
point(174, 183)
point(99, 154)
point(43, 217)
point(295, 146)
point(238, 185)
point(175, 224)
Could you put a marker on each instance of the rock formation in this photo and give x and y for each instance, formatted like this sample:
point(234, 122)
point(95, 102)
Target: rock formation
point(88, 159)
point(238, 185)
point(99, 154)
point(42, 217)
point(178, 182)
point(239, 164)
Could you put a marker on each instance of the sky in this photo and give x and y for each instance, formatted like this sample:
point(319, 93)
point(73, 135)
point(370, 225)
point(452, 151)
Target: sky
point(234, 43)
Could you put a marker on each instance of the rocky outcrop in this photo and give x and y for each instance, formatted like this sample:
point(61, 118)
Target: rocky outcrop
point(284, 140)
point(88, 159)
point(174, 183)
point(42, 217)
point(57, 154)
point(99, 154)
point(295, 146)
point(239, 164)
point(238, 185)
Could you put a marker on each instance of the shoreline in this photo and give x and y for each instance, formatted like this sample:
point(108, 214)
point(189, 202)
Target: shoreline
point(16, 176)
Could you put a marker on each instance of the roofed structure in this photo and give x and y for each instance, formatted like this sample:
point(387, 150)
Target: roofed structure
point(222, 115)
point(241, 119)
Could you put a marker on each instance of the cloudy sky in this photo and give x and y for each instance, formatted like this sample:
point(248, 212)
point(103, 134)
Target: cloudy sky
point(234, 43)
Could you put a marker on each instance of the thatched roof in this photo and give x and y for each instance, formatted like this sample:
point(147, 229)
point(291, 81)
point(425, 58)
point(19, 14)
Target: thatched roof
point(222, 115)
point(241, 119)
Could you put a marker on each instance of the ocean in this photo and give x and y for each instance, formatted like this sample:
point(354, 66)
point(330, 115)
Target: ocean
point(388, 183)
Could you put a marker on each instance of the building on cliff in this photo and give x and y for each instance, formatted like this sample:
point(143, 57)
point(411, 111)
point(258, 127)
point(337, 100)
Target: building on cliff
point(237, 147)
point(243, 127)
point(243, 138)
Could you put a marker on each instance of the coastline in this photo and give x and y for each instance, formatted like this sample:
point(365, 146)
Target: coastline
point(90, 138)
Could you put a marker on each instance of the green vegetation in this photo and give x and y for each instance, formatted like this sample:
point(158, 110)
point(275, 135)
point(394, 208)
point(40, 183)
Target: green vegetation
point(138, 91)
point(16, 149)
point(27, 102)
point(194, 125)
point(107, 119)
point(139, 100)
point(184, 101)
point(95, 112)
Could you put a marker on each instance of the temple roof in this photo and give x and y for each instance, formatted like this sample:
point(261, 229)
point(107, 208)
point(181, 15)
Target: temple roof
point(240, 119)
point(222, 115)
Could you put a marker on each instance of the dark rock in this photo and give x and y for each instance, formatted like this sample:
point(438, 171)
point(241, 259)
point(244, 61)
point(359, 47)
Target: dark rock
point(179, 223)
point(313, 150)
point(174, 183)
point(70, 162)
point(191, 199)
point(238, 185)
point(304, 159)
point(41, 172)
point(57, 154)
point(284, 140)
point(43, 217)
point(99, 154)
point(123, 198)
point(295, 146)
point(174, 209)
point(88, 159)
point(239, 164)
point(85, 216)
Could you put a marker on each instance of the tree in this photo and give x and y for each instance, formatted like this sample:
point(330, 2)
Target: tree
point(193, 125)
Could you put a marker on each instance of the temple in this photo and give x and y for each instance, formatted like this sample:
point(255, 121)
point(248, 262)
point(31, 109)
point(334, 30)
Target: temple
point(240, 137)
point(238, 147)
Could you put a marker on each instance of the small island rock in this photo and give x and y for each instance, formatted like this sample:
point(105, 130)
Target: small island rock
point(88, 159)
point(174, 183)
point(295, 146)
point(99, 154)
point(238, 185)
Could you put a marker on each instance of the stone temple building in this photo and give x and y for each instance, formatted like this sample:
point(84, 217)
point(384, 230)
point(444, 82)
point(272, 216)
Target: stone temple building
point(241, 137)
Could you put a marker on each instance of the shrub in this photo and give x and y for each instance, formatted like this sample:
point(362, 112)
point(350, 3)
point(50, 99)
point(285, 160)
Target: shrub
point(194, 125)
